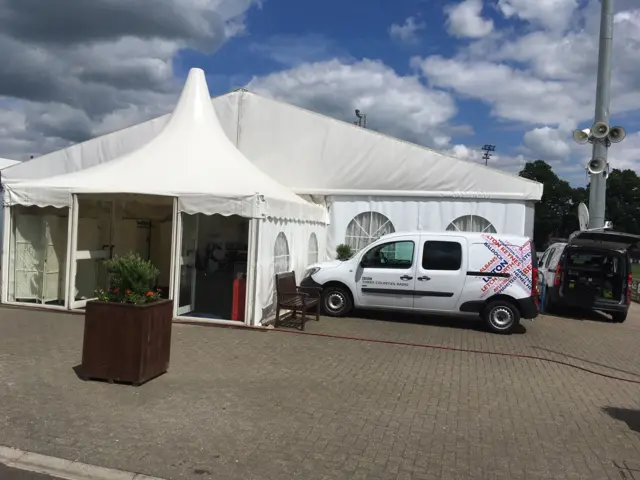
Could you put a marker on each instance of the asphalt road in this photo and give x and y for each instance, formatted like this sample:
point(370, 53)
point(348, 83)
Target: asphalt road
point(7, 473)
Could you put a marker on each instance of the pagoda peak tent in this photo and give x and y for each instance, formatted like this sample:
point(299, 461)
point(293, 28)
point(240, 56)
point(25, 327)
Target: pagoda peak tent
point(192, 161)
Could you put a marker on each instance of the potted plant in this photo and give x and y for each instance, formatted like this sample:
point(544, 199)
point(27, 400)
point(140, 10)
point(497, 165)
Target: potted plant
point(127, 329)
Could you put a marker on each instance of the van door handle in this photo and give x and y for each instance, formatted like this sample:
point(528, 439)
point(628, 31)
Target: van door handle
point(406, 277)
point(422, 279)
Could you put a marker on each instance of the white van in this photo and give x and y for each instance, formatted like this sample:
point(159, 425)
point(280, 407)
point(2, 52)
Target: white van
point(491, 275)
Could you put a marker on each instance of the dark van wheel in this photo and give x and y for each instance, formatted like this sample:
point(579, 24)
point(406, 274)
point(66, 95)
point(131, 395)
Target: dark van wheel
point(336, 301)
point(501, 316)
point(619, 317)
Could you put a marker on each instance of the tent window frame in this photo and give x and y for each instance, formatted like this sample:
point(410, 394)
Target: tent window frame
point(312, 249)
point(367, 227)
point(281, 254)
point(487, 226)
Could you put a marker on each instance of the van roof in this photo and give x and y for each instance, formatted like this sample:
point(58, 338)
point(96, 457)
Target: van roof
point(468, 235)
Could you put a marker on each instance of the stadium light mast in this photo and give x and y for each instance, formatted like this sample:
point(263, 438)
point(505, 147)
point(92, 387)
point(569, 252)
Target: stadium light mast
point(488, 149)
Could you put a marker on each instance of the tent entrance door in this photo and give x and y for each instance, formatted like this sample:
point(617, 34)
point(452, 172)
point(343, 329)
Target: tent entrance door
point(94, 246)
point(188, 250)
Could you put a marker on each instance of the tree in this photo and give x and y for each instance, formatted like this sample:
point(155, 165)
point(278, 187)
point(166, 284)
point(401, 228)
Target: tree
point(556, 214)
point(623, 201)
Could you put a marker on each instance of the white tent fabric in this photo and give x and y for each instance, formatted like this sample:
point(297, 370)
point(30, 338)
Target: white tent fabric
point(190, 158)
point(5, 162)
point(310, 154)
point(338, 158)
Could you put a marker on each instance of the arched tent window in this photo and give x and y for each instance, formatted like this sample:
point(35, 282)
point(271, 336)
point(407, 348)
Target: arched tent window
point(366, 228)
point(471, 223)
point(281, 254)
point(312, 251)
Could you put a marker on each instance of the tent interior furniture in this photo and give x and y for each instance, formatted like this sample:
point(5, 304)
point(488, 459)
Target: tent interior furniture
point(295, 299)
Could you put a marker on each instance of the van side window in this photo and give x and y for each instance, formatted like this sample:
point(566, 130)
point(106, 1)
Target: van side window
point(549, 257)
point(390, 255)
point(438, 255)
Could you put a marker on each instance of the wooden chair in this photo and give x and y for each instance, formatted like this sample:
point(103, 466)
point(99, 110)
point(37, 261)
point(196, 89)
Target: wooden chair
point(297, 299)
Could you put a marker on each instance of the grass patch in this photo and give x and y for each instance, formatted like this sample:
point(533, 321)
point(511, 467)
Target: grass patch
point(635, 270)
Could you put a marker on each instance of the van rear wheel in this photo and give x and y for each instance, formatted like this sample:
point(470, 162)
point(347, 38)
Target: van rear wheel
point(336, 301)
point(501, 316)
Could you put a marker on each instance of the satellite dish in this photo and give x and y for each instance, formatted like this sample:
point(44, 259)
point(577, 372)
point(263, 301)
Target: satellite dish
point(583, 216)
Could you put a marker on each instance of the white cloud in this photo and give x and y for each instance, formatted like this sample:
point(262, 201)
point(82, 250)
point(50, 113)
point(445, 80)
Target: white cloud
point(550, 14)
point(542, 80)
point(548, 143)
point(465, 20)
point(67, 77)
point(512, 93)
point(408, 31)
point(399, 105)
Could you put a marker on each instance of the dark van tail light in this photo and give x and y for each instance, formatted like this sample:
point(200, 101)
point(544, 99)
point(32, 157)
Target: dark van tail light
point(629, 284)
point(558, 275)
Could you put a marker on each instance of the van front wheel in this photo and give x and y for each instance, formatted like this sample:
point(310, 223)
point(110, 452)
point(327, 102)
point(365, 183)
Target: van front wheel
point(501, 316)
point(336, 301)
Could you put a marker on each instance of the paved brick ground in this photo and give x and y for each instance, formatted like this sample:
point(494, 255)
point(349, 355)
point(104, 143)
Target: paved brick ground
point(276, 405)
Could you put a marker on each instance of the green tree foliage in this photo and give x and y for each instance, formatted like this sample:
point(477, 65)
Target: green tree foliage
point(557, 214)
point(623, 200)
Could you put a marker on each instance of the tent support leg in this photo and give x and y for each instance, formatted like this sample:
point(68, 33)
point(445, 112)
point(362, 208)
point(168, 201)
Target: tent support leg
point(252, 272)
point(174, 245)
point(72, 244)
point(6, 242)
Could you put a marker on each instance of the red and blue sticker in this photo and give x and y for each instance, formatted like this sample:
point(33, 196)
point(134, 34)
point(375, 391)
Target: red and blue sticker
point(514, 260)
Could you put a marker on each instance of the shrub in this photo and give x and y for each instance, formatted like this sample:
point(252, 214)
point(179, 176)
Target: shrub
point(132, 279)
point(343, 252)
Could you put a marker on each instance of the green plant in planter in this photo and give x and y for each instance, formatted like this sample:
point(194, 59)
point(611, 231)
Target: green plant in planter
point(132, 279)
point(343, 252)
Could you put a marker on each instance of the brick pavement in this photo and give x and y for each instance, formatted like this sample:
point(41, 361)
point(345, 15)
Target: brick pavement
point(262, 405)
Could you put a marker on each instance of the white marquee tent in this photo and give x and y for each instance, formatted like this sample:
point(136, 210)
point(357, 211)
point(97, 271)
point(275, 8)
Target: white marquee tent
point(190, 161)
point(371, 183)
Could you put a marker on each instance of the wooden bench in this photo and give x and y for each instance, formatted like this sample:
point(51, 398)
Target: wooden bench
point(297, 299)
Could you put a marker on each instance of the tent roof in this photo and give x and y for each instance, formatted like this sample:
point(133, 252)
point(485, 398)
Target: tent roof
point(190, 158)
point(5, 162)
point(336, 157)
point(311, 154)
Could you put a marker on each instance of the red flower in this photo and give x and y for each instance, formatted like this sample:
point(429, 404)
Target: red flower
point(127, 292)
point(115, 290)
point(149, 294)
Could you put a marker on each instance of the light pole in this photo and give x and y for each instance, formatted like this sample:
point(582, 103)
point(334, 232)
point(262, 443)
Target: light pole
point(600, 135)
point(362, 119)
point(487, 149)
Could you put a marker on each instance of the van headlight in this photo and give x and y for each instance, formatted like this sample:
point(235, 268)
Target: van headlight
point(311, 271)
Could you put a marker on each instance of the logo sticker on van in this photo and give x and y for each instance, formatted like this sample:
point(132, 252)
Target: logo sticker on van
point(507, 258)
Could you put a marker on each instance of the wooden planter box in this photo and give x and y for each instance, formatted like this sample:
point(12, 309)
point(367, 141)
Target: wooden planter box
point(126, 343)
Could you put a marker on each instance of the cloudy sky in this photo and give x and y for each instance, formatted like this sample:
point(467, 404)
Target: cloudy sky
point(452, 75)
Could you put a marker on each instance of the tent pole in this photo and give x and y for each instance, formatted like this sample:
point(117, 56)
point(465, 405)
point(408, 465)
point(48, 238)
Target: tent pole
point(6, 241)
point(252, 272)
point(176, 263)
point(174, 236)
point(72, 244)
